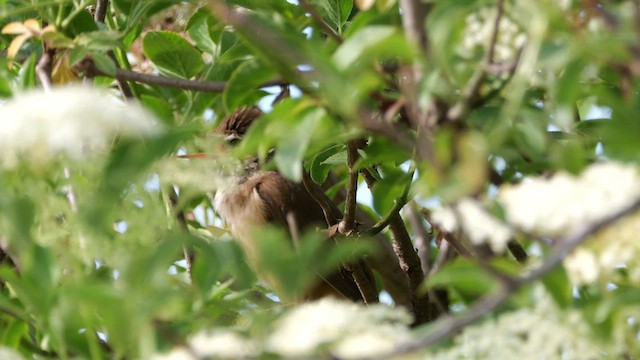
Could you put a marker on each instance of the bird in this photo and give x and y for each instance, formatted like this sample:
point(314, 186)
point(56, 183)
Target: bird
point(257, 197)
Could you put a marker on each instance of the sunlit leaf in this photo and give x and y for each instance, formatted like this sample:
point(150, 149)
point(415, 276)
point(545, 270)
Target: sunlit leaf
point(172, 54)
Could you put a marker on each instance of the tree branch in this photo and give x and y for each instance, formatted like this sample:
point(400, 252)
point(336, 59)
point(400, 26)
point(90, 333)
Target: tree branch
point(101, 11)
point(403, 247)
point(331, 212)
point(414, 17)
point(421, 237)
point(348, 222)
point(43, 68)
point(471, 92)
point(332, 216)
point(448, 326)
point(158, 80)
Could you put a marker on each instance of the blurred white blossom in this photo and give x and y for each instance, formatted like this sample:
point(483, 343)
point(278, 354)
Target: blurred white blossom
point(74, 120)
point(476, 223)
point(560, 204)
point(541, 332)
point(9, 354)
point(478, 32)
point(216, 344)
point(582, 266)
point(178, 353)
point(223, 344)
point(610, 249)
point(347, 330)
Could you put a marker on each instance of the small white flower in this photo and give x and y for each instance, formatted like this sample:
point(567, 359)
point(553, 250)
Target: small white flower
point(559, 205)
point(476, 223)
point(582, 266)
point(178, 353)
point(222, 344)
point(346, 329)
point(9, 354)
point(74, 120)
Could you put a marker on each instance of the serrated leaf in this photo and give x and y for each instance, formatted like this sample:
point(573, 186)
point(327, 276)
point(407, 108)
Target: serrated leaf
point(172, 54)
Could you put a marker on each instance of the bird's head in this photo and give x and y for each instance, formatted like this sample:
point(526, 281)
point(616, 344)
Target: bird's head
point(235, 125)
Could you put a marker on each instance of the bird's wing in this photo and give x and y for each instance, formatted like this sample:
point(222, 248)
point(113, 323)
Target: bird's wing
point(282, 196)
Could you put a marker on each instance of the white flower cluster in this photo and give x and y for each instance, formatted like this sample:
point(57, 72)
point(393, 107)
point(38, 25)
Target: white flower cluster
point(562, 203)
point(74, 120)
point(7, 353)
point(611, 249)
point(327, 327)
point(478, 32)
point(475, 222)
point(345, 329)
point(541, 332)
point(218, 344)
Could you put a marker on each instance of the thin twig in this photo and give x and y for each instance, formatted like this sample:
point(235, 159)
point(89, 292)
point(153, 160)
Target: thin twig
point(158, 80)
point(399, 204)
point(331, 212)
point(414, 15)
point(101, 11)
point(293, 230)
point(403, 247)
point(315, 15)
point(421, 237)
point(348, 222)
point(332, 216)
point(448, 326)
point(181, 218)
point(43, 68)
point(364, 283)
point(470, 94)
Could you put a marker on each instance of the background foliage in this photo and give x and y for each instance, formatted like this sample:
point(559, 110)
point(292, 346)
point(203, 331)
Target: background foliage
point(457, 101)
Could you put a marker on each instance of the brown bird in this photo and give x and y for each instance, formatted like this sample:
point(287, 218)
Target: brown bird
point(258, 197)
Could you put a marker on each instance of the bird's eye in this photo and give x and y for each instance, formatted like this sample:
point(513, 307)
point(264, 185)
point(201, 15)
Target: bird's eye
point(232, 138)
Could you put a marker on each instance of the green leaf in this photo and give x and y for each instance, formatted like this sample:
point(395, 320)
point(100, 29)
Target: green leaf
point(100, 40)
point(5, 88)
point(558, 285)
point(159, 107)
point(387, 191)
point(82, 22)
point(103, 62)
point(76, 55)
point(324, 160)
point(172, 54)
point(292, 148)
point(205, 30)
point(27, 79)
point(370, 44)
point(245, 82)
point(466, 277)
point(334, 12)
